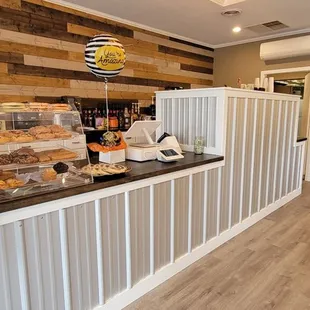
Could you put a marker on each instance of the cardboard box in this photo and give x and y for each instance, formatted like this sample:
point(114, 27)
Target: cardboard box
point(112, 157)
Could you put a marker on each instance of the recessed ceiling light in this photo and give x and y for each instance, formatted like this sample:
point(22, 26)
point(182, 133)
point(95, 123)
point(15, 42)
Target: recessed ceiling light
point(236, 29)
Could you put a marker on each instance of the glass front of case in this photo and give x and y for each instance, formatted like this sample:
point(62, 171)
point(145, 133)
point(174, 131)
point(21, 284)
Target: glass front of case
point(42, 149)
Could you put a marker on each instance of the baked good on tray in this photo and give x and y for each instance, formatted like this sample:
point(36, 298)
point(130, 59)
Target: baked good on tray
point(5, 159)
point(57, 154)
point(39, 130)
point(14, 183)
point(61, 167)
point(22, 138)
point(45, 136)
point(49, 174)
point(5, 175)
point(24, 155)
point(61, 107)
point(4, 139)
point(104, 169)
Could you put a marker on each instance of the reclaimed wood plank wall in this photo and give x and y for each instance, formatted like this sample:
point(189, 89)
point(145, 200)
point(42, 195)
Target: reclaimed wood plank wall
point(42, 56)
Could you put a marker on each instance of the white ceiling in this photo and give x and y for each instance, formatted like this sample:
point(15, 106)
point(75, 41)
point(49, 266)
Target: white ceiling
point(201, 20)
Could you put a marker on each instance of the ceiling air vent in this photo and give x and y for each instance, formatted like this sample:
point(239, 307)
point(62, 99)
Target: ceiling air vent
point(267, 27)
point(230, 13)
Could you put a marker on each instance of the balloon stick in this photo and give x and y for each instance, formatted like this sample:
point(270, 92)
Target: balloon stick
point(106, 101)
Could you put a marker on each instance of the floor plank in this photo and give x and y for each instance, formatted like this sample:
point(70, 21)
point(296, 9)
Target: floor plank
point(265, 267)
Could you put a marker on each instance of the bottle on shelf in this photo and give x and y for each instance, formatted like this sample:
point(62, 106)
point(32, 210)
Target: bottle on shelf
point(104, 120)
point(126, 119)
point(153, 111)
point(89, 118)
point(138, 112)
point(113, 120)
point(121, 119)
point(93, 118)
point(99, 119)
point(134, 115)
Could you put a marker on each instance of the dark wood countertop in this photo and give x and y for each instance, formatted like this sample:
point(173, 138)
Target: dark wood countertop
point(139, 171)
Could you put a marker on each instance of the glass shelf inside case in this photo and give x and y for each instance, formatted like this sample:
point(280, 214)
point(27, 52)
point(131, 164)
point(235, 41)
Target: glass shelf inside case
point(42, 148)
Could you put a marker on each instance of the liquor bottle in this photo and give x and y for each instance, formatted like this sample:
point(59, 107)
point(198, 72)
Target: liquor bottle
point(113, 121)
point(153, 111)
point(138, 112)
point(134, 115)
point(85, 118)
point(89, 118)
point(126, 119)
point(93, 118)
point(99, 119)
point(104, 120)
point(121, 119)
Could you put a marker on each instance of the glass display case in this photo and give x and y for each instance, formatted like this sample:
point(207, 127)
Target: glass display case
point(42, 148)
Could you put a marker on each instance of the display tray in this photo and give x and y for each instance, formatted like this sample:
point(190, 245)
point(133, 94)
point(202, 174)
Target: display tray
point(102, 171)
point(14, 166)
point(73, 136)
point(74, 177)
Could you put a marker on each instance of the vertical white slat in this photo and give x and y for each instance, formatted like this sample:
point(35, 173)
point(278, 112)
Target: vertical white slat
point(65, 258)
point(190, 213)
point(190, 123)
point(253, 157)
point(173, 116)
point(289, 149)
point(205, 210)
point(232, 159)
point(51, 263)
point(77, 258)
point(293, 167)
point(87, 247)
point(298, 172)
point(261, 156)
point(203, 119)
point(302, 162)
point(128, 240)
point(152, 230)
point(269, 152)
point(36, 243)
point(22, 265)
point(99, 249)
point(276, 154)
point(172, 206)
point(243, 157)
point(197, 116)
point(218, 203)
point(283, 149)
point(5, 277)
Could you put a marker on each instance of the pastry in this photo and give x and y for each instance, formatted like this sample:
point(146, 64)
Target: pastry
point(5, 159)
point(39, 106)
point(45, 136)
point(49, 174)
point(24, 151)
point(12, 106)
point(39, 130)
point(25, 159)
point(22, 138)
point(42, 156)
point(63, 135)
point(14, 183)
point(55, 128)
point(61, 167)
point(61, 107)
point(4, 175)
point(62, 155)
point(3, 185)
point(4, 139)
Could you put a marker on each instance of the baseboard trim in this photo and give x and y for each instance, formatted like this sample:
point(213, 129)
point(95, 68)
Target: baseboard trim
point(146, 285)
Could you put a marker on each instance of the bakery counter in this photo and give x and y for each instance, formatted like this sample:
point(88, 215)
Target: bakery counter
point(140, 171)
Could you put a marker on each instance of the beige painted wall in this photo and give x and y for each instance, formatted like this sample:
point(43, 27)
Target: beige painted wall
point(243, 61)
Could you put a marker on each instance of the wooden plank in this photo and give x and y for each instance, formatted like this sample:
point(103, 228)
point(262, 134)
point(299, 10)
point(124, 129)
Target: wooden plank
point(186, 73)
point(33, 19)
point(11, 57)
point(6, 46)
point(44, 31)
point(191, 44)
point(171, 78)
point(13, 4)
point(32, 81)
point(16, 98)
point(3, 67)
point(187, 67)
point(178, 52)
point(72, 18)
point(166, 42)
point(90, 32)
point(9, 89)
point(18, 37)
point(112, 86)
point(87, 76)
